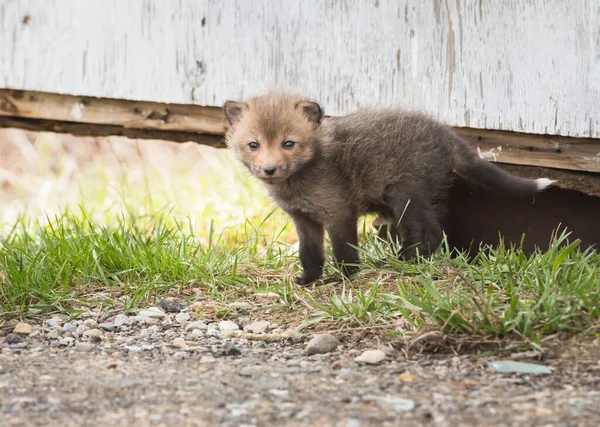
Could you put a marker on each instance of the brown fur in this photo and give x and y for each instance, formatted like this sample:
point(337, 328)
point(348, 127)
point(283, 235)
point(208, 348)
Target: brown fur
point(395, 163)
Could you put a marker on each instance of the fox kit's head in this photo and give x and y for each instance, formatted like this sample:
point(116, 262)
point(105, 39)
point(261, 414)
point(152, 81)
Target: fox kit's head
point(275, 136)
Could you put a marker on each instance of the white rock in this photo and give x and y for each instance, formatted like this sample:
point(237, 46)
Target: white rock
point(196, 325)
point(132, 348)
point(53, 322)
point(323, 343)
point(23, 329)
point(152, 312)
point(84, 346)
point(197, 333)
point(228, 325)
point(182, 317)
point(371, 357)
point(259, 327)
point(121, 320)
point(53, 334)
point(179, 343)
point(93, 333)
point(69, 327)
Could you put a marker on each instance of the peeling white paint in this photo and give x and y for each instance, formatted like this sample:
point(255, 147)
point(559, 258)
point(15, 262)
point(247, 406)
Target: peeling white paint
point(523, 65)
point(492, 154)
point(77, 111)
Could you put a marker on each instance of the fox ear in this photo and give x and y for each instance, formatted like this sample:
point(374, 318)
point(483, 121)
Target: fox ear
point(311, 110)
point(233, 111)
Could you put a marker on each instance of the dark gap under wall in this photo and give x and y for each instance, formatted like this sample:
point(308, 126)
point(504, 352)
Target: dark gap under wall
point(476, 217)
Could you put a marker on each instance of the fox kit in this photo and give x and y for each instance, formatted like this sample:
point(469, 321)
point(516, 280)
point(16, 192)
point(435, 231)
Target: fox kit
point(327, 171)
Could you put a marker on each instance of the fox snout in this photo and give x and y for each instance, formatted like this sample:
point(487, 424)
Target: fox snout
point(270, 172)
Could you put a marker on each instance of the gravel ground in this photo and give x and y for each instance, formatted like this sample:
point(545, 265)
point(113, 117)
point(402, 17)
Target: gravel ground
point(168, 369)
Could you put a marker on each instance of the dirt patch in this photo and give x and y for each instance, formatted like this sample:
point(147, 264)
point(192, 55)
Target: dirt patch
point(169, 370)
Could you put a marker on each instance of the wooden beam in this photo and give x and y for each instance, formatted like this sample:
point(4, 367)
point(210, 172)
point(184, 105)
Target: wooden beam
point(113, 112)
point(89, 129)
point(580, 154)
point(82, 115)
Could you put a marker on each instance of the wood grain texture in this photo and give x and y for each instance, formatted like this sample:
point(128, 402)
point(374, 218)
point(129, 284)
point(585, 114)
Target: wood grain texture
point(522, 65)
point(105, 116)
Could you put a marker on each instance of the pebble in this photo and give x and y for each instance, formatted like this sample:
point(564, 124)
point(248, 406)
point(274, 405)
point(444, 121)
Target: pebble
point(259, 327)
point(52, 323)
point(66, 341)
point(323, 343)
point(121, 320)
point(84, 346)
point(90, 323)
point(179, 343)
point(69, 327)
point(228, 349)
point(23, 329)
point(371, 357)
point(240, 305)
point(182, 317)
point(398, 403)
point(153, 313)
point(196, 325)
point(132, 348)
point(171, 306)
point(109, 327)
point(91, 333)
point(197, 333)
point(228, 325)
point(54, 334)
point(13, 339)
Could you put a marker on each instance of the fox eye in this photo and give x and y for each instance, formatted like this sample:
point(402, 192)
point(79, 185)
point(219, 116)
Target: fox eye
point(288, 144)
point(253, 145)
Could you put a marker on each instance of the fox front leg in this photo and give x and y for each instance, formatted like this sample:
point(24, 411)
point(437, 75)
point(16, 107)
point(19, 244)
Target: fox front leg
point(310, 234)
point(344, 240)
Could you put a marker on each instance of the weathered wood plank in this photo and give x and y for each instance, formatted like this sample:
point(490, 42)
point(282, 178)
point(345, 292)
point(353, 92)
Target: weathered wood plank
point(92, 129)
point(522, 65)
point(104, 116)
point(114, 112)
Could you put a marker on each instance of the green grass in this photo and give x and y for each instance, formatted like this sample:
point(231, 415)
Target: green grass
point(192, 223)
point(71, 262)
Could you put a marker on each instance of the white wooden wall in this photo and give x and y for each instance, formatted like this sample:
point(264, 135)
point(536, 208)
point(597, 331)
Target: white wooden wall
point(524, 65)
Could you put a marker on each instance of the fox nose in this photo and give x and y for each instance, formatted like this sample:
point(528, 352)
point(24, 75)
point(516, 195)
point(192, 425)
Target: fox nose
point(270, 170)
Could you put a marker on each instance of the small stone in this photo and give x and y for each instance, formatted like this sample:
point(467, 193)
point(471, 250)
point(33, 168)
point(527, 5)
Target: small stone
point(171, 306)
point(195, 325)
point(197, 333)
point(180, 355)
point(53, 334)
point(228, 349)
point(228, 325)
point(13, 339)
point(323, 343)
point(52, 323)
point(69, 327)
point(259, 327)
point(23, 329)
point(398, 403)
point(240, 305)
point(147, 347)
point(121, 320)
point(84, 346)
point(179, 343)
point(109, 327)
point(132, 348)
point(66, 341)
point(182, 317)
point(371, 357)
point(152, 313)
point(90, 323)
point(93, 333)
